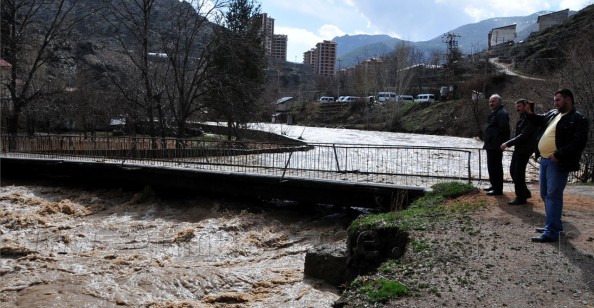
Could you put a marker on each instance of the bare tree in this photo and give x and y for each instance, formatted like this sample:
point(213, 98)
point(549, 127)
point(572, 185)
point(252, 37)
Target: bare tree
point(137, 34)
point(390, 73)
point(187, 42)
point(578, 72)
point(398, 74)
point(32, 33)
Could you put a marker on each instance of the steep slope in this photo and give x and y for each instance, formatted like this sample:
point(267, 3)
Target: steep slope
point(544, 51)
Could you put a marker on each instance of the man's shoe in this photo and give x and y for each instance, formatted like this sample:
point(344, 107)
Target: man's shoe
point(517, 201)
point(488, 188)
point(539, 230)
point(494, 193)
point(542, 239)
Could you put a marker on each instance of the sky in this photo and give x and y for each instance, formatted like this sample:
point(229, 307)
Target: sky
point(307, 22)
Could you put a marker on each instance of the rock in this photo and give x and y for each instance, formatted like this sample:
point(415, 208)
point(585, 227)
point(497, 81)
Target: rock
point(365, 251)
point(369, 248)
point(326, 262)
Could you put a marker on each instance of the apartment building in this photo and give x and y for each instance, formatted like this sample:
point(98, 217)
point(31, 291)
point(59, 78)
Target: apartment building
point(279, 47)
point(275, 45)
point(322, 58)
point(267, 32)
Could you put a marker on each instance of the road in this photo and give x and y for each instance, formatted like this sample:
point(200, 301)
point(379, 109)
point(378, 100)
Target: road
point(504, 68)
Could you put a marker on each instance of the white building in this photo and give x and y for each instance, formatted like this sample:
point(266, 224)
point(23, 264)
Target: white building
point(502, 35)
point(555, 18)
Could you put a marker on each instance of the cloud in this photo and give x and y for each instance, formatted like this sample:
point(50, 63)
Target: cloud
point(299, 41)
point(328, 32)
point(497, 8)
point(575, 4)
point(478, 11)
point(308, 22)
point(477, 14)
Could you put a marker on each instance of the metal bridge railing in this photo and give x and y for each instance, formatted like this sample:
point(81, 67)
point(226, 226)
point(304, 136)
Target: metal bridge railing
point(419, 166)
point(402, 165)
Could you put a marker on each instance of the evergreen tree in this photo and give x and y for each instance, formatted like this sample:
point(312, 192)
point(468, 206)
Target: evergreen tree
point(239, 64)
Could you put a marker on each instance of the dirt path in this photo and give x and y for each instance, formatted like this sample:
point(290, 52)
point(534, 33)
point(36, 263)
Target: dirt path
point(489, 260)
point(508, 71)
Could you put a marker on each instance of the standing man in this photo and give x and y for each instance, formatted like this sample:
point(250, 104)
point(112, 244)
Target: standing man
point(496, 133)
point(561, 144)
point(525, 144)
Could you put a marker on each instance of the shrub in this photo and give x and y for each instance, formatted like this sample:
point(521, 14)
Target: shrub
point(381, 290)
point(451, 190)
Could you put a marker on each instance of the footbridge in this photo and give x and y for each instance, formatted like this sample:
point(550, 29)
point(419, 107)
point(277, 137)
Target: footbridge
point(345, 174)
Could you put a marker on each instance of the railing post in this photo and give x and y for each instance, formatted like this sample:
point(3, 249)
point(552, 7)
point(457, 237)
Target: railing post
point(336, 157)
point(480, 165)
point(287, 165)
point(469, 167)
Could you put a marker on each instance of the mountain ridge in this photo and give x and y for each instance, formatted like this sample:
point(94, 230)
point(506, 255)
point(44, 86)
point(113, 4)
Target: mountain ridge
point(352, 49)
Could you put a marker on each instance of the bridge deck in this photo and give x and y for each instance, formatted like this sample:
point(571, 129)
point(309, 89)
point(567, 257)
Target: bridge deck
point(231, 184)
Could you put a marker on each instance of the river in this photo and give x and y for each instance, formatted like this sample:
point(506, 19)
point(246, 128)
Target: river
point(103, 247)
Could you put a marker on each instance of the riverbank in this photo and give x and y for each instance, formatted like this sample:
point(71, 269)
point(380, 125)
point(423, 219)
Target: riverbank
point(486, 258)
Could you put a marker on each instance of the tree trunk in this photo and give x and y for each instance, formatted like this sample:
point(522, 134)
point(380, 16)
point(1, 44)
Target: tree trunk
point(12, 122)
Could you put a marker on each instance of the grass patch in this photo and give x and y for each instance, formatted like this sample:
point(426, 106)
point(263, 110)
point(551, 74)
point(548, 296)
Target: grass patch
point(422, 212)
point(419, 245)
point(391, 266)
point(380, 290)
point(464, 207)
point(452, 190)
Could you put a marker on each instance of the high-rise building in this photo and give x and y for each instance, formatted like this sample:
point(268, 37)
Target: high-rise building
point(279, 47)
point(275, 45)
point(322, 58)
point(267, 33)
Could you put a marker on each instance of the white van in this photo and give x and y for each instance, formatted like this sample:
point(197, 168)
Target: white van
point(401, 98)
point(350, 99)
point(425, 98)
point(327, 99)
point(386, 96)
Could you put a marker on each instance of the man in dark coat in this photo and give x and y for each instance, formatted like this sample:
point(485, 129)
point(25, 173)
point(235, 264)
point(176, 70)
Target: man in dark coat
point(496, 132)
point(525, 145)
point(560, 147)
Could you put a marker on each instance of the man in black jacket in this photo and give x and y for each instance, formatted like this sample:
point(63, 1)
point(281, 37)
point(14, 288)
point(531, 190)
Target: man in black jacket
point(525, 144)
point(496, 133)
point(560, 146)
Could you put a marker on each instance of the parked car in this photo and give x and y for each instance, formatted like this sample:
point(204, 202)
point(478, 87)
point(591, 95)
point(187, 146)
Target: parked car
point(425, 98)
point(340, 98)
point(350, 99)
point(326, 99)
point(386, 96)
point(405, 98)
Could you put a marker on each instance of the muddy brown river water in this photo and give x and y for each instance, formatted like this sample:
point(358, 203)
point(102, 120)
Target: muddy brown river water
point(77, 247)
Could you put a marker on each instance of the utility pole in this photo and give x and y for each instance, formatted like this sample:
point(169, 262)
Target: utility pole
point(451, 57)
point(338, 79)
